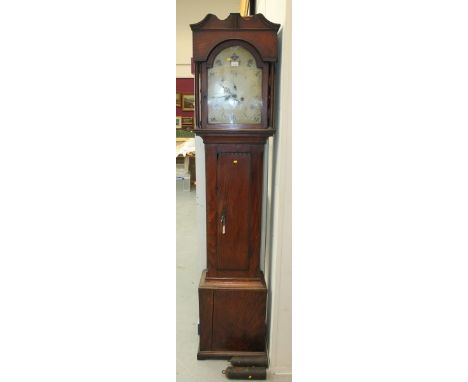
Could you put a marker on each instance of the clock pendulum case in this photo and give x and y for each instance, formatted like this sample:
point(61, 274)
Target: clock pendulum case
point(234, 62)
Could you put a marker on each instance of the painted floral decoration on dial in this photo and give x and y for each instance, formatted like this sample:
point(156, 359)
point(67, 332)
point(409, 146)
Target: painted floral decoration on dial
point(234, 88)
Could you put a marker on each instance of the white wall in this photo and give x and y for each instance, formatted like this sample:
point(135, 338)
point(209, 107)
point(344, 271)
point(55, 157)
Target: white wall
point(278, 225)
point(190, 12)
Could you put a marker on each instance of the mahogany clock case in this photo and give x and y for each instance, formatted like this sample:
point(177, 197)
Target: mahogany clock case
point(255, 34)
point(232, 290)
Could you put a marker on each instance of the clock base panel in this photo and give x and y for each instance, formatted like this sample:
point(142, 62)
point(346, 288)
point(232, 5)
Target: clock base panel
point(232, 318)
point(207, 354)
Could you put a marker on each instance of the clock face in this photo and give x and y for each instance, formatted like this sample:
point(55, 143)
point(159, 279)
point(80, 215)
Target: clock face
point(235, 88)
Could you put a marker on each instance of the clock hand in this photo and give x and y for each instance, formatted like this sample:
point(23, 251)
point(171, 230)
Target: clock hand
point(234, 96)
point(229, 94)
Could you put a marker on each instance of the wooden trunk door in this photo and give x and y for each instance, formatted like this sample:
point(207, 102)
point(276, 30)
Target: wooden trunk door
point(233, 198)
point(233, 210)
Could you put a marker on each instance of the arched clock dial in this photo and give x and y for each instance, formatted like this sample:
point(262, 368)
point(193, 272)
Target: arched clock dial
point(235, 88)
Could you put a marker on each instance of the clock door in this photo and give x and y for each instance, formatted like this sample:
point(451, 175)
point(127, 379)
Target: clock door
point(234, 190)
point(233, 197)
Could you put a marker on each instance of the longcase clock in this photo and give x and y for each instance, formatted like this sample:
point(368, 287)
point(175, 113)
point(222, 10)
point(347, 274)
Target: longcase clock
point(234, 63)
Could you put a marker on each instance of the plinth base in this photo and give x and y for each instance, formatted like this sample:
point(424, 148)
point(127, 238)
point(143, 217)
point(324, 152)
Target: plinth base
point(232, 317)
point(201, 355)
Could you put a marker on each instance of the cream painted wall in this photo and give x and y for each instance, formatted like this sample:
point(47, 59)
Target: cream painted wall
point(190, 12)
point(278, 227)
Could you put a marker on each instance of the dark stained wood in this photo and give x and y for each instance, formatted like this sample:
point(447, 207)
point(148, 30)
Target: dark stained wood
point(271, 96)
point(234, 191)
point(239, 320)
point(234, 136)
point(205, 298)
point(227, 354)
point(266, 96)
point(238, 189)
point(232, 283)
point(197, 96)
point(256, 30)
point(235, 21)
point(256, 214)
point(203, 96)
point(211, 156)
point(203, 48)
point(232, 290)
point(232, 317)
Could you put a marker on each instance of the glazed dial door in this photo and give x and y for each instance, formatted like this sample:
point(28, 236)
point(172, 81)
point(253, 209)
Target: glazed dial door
point(235, 88)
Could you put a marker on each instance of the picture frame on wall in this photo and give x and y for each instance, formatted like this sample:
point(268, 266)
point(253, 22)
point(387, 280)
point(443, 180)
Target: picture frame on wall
point(187, 121)
point(178, 100)
point(178, 122)
point(188, 102)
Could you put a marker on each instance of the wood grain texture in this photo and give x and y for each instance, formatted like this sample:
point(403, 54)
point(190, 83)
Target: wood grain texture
point(232, 290)
point(227, 354)
point(256, 30)
point(239, 320)
point(211, 203)
point(236, 313)
point(235, 21)
point(234, 136)
point(232, 283)
point(236, 191)
point(256, 210)
point(205, 298)
point(234, 209)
